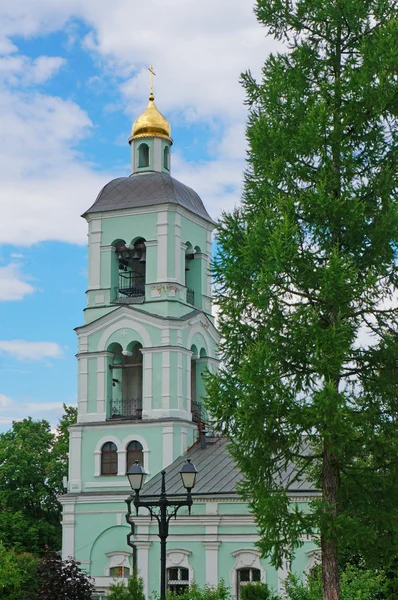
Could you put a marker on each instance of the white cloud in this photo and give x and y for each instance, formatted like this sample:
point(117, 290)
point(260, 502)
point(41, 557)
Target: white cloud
point(198, 50)
point(16, 410)
point(5, 401)
point(45, 183)
point(19, 69)
point(44, 67)
point(23, 350)
point(12, 284)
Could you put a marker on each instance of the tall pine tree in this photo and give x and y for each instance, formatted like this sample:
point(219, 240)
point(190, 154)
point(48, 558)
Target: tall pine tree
point(306, 283)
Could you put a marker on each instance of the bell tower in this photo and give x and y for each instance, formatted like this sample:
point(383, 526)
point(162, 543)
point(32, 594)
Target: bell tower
point(148, 333)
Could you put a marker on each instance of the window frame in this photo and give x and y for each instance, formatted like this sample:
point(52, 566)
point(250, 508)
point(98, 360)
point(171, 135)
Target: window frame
point(105, 453)
point(138, 451)
point(177, 585)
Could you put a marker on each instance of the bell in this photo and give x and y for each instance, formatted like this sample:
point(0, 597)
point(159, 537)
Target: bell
point(143, 257)
point(136, 256)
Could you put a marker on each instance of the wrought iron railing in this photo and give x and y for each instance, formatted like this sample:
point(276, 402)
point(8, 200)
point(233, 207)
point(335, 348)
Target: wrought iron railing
point(131, 284)
point(190, 296)
point(126, 408)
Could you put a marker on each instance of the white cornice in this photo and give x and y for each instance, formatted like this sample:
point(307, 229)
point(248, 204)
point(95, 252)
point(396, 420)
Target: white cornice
point(145, 318)
point(154, 209)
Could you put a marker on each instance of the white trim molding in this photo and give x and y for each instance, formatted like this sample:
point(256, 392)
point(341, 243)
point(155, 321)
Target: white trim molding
point(179, 557)
point(97, 452)
point(314, 558)
point(118, 559)
point(245, 558)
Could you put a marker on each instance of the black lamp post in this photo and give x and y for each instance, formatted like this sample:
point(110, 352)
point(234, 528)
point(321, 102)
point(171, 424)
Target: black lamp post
point(162, 508)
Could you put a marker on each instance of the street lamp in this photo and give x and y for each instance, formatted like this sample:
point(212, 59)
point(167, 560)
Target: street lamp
point(161, 508)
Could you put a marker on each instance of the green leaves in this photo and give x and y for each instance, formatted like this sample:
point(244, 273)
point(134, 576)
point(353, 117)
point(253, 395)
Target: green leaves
point(32, 463)
point(306, 283)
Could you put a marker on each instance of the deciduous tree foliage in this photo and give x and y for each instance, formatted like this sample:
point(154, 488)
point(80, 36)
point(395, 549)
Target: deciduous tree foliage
point(18, 579)
point(62, 579)
point(33, 462)
point(306, 282)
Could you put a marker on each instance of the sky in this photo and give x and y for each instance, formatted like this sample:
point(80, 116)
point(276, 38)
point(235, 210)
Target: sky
point(73, 77)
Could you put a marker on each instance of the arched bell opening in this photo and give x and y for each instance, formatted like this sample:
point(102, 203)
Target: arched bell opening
point(131, 260)
point(126, 376)
point(189, 274)
point(166, 158)
point(143, 155)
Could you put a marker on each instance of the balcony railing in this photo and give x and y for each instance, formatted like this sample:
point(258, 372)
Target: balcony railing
point(190, 296)
point(126, 408)
point(131, 284)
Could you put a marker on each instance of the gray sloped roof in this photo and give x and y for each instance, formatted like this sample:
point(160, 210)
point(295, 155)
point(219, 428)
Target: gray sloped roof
point(147, 189)
point(217, 472)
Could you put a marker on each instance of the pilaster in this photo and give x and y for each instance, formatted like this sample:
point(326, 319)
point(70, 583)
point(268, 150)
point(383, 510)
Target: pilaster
point(94, 267)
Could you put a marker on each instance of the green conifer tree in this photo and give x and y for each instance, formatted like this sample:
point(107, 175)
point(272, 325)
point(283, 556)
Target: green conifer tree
point(306, 283)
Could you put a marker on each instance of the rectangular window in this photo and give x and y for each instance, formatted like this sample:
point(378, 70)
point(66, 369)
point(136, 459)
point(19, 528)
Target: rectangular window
point(177, 580)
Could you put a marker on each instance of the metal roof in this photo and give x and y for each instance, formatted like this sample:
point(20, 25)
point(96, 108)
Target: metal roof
point(147, 189)
point(217, 472)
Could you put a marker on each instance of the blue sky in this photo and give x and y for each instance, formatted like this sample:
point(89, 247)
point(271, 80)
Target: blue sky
point(73, 77)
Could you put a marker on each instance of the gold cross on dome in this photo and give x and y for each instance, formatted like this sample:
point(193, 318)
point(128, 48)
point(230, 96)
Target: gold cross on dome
point(151, 74)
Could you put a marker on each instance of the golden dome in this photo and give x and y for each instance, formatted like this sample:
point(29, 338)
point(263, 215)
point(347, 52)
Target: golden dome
point(151, 123)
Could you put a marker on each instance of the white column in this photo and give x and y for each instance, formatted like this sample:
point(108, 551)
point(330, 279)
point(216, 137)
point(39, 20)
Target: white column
point(211, 562)
point(143, 563)
point(83, 386)
point(75, 460)
point(177, 236)
point(121, 462)
point(283, 572)
point(68, 528)
point(165, 380)
point(189, 384)
point(162, 246)
point(179, 382)
point(147, 382)
point(94, 267)
point(168, 442)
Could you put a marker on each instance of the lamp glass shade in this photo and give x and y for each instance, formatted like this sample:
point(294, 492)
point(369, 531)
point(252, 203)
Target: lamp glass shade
point(136, 475)
point(188, 474)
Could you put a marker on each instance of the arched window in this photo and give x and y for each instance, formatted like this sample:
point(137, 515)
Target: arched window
point(109, 459)
point(134, 452)
point(245, 576)
point(166, 158)
point(177, 580)
point(143, 155)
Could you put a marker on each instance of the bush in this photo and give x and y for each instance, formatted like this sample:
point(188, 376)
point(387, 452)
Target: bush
point(61, 579)
point(257, 591)
point(355, 584)
point(133, 591)
point(207, 592)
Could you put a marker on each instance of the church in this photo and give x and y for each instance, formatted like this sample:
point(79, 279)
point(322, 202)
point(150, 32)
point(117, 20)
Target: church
point(147, 337)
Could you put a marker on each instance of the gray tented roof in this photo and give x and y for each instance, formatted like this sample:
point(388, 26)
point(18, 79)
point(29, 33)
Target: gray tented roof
point(147, 189)
point(217, 472)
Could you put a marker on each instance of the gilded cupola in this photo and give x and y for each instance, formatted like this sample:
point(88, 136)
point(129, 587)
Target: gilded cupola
point(151, 123)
